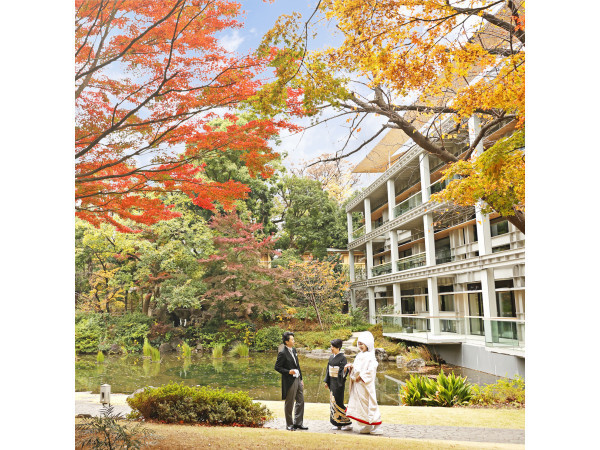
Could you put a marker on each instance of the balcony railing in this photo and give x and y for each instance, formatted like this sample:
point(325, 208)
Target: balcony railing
point(443, 256)
point(411, 262)
point(408, 204)
point(505, 333)
point(378, 223)
point(381, 269)
point(500, 333)
point(403, 324)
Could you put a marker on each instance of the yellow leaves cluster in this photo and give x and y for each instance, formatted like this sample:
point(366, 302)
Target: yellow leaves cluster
point(497, 176)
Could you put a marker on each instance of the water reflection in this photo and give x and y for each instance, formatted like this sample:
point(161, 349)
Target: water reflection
point(255, 375)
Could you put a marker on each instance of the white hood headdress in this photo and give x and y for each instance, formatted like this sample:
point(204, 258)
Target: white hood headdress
point(366, 338)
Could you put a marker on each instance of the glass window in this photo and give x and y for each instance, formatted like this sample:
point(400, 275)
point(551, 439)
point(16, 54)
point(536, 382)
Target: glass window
point(505, 302)
point(448, 326)
point(499, 226)
point(501, 248)
point(408, 305)
point(475, 233)
point(476, 309)
point(447, 302)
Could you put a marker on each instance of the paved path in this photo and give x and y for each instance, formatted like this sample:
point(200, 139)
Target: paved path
point(495, 435)
point(87, 403)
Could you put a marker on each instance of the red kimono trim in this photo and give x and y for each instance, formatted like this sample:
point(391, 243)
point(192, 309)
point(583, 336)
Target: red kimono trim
point(362, 421)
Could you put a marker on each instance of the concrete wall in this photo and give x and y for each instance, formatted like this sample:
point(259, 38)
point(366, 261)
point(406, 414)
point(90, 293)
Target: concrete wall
point(478, 358)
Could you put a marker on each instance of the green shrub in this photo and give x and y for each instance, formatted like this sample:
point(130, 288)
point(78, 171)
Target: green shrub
point(445, 391)
point(267, 339)
point(89, 331)
point(200, 404)
point(100, 357)
point(417, 391)
point(320, 339)
point(452, 390)
point(217, 351)
point(106, 432)
point(129, 330)
point(240, 350)
point(503, 392)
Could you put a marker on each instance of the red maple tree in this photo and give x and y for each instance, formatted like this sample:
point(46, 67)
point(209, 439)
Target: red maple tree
point(149, 78)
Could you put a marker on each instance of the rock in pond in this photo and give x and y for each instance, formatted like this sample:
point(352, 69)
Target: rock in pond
point(115, 349)
point(414, 364)
point(166, 348)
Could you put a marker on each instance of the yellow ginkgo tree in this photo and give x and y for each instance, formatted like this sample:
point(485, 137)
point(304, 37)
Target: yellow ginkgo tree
point(411, 62)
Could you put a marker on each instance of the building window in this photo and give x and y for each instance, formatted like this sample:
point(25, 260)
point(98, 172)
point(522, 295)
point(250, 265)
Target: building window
point(498, 226)
point(475, 233)
point(501, 248)
point(476, 309)
point(408, 305)
point(405, 253)
point(447, 303)
point(448, 326)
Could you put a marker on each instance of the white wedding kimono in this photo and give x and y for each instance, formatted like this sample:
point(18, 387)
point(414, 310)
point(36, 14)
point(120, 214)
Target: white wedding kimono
point(362, 402)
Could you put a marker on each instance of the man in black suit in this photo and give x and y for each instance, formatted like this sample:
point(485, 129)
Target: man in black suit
point(292, 386)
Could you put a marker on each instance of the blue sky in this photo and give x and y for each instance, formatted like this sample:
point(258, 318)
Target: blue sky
point(259, 17)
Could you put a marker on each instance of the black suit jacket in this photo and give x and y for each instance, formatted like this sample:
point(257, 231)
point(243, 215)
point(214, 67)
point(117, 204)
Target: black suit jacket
point(283, 365)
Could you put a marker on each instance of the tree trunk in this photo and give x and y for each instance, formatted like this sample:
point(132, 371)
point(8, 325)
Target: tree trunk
point(317, 311)
point(146, 303)
point(518, 220)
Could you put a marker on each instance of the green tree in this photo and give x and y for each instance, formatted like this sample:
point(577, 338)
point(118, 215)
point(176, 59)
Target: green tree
point(228, 165)
point(311, 219)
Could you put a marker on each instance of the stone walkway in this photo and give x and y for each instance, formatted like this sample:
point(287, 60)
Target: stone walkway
point(87, 403)
point(490, 435)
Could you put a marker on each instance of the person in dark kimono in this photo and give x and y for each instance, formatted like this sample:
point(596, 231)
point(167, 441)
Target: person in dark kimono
point(335, 381)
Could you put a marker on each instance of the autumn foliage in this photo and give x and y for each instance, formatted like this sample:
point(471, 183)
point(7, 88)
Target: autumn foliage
point(414, 64)
point(149, 78)
point(317, 284)
point(240, 282)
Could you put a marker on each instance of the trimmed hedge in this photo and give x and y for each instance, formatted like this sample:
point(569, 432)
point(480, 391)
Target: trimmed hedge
point(199, 404)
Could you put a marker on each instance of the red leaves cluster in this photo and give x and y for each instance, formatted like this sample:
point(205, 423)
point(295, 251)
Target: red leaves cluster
point(150, 77)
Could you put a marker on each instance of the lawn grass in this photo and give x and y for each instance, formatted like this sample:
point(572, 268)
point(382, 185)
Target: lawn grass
point(192, 437)
point(423, 415)
point(405, 415)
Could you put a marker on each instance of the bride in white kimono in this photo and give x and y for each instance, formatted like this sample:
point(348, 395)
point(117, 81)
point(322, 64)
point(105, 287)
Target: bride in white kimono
point(362, 403)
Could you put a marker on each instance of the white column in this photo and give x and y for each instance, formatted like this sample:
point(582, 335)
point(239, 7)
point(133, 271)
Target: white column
point(369, 260)
point(434, 304)
point(367, 205)
point(488, 295)
point(397, 300)
point(371, 294)
point(427, 218)
point(351, 265)
point(484, 236)
point(394, 250)
point(350, 230)
point(429, 239)
point(425, 176)
point(391, 192)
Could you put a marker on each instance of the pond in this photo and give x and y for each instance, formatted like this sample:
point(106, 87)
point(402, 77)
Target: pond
point(256, 375)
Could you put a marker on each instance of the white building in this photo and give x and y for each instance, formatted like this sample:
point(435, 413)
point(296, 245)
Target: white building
point(450, 277)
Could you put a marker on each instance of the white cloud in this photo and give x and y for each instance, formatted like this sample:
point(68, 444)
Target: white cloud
point(231, 42)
